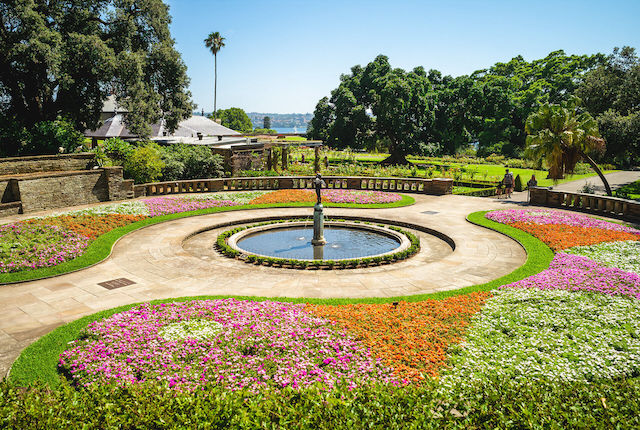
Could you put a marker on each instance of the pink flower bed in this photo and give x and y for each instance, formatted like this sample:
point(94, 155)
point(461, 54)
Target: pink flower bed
point(170, 205)
point(29, 247)
point(576, 273)
point(255, 345)
point(549, 216)
point(359, 197)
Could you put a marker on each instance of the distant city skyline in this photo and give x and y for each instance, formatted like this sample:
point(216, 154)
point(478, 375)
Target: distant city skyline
point(283, 56)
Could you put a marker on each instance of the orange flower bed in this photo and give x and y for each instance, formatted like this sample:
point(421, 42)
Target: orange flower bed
point(412, 338)
point(559, 236)
point(285, 196)
point(90, 226)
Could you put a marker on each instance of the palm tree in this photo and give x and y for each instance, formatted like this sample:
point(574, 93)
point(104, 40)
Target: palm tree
point(214, 42)
point(561, 136)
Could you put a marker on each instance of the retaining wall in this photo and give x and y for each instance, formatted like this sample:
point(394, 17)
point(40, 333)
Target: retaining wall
point(46, 163)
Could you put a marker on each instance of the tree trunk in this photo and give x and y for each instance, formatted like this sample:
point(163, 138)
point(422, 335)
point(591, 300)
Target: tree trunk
point(215, 86)
point(595, 167)
point(395, 158)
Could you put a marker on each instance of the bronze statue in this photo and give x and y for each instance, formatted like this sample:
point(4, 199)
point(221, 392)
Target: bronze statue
point(319, 183)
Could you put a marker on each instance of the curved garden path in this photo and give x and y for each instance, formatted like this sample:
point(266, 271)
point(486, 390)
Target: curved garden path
point(161, 267)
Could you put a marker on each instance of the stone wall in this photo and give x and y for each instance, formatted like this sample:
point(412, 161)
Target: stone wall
point(50, 191)
point(30, 184)
point(46, 163)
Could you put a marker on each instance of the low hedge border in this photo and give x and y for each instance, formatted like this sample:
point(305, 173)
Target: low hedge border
point(289, 263)
point(39, 361)
point(480, 192)
point(101, 248)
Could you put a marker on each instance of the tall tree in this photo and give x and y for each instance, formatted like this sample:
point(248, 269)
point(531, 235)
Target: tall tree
point(403, 111)
point(266, 122)
point(214, 42)
point(561, 136)
point(62, 58)
point(236, 119)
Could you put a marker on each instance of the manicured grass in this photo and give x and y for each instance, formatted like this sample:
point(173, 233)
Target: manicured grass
point(100, 249)
point(630, 191)
point(38, 362)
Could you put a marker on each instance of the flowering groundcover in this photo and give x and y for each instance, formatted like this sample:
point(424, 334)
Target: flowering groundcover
point(237, 344)
point(411, 337)
point(328, 195)
point(28, 247)
point(549, 336)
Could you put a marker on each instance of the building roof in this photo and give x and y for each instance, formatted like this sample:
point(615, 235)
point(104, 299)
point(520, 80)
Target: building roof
point(188, 128)
point(191, 126)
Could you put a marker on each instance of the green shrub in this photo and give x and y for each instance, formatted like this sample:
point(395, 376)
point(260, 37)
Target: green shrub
point(117, 150)
point(144, 164)
point(184, 162)
point(517, 183)
point(50, 137)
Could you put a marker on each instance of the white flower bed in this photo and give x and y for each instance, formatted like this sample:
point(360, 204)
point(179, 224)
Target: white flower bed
point(195, 329)
point(552, 336)
point(624, 255)
point(242, 198)
point(125, 208)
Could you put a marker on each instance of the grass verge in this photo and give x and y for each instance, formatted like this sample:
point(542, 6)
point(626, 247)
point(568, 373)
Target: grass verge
point(100, 248)
point(38, 362)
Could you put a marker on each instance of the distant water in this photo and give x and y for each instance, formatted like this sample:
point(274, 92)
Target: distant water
point(290, 129)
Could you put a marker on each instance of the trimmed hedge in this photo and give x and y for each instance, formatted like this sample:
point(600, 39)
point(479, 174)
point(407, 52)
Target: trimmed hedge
point(501, 404)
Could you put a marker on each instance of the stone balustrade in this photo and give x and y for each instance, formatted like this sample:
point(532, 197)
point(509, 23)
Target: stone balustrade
point(437, 186)
point(600, 205)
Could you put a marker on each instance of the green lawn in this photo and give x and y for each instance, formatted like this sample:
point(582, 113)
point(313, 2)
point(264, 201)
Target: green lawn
point(630, 191)
point(363, 163)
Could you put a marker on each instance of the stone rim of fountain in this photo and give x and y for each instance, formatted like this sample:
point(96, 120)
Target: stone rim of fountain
point(404, 242)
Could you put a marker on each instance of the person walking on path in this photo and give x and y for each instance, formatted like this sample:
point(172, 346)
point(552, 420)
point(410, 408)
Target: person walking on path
point(508, 183)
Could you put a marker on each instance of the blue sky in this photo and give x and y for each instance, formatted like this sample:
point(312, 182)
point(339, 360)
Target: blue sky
point(283, 56)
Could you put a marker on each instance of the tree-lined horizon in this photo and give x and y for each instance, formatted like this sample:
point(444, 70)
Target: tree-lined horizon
point(420, 112)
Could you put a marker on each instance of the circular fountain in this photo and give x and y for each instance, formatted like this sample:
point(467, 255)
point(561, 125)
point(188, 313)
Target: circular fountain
point(341, 240)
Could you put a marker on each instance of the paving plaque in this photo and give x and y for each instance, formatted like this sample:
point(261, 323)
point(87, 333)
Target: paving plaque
point(116, 283)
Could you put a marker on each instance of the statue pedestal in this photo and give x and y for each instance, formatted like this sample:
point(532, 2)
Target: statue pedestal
point(318, 225)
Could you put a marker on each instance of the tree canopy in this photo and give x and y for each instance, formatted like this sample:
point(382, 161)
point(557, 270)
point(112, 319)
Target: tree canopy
point(235, 119)
point(416, 112)
point(62, 58)
point(612, 93)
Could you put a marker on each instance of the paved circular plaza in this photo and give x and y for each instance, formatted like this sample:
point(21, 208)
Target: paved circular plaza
point(162, 261)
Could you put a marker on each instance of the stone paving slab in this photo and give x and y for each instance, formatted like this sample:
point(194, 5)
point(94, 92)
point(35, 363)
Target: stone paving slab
point(161, 267)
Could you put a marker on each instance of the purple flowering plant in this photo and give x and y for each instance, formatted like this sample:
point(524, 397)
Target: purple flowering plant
point(550, 216)
point(576, 273)
point(170, 205)
point(237, 344)
point(360, 197)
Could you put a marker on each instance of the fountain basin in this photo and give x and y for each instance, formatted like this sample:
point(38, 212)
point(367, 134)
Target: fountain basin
point(345, 240)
